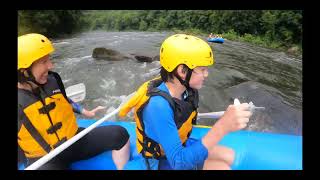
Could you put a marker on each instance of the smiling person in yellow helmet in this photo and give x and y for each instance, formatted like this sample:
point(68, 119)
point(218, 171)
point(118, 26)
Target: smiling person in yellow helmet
point(46, 115)
point(165, 109)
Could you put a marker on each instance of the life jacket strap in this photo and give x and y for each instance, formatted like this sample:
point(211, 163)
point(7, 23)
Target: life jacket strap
point(36, 135)
point(60, 142)
point(158, 92)
point(60, 83)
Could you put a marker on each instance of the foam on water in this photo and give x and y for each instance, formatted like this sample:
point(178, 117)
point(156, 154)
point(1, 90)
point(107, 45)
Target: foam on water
point(60, 43)
point(70, 61)
point(108, 84)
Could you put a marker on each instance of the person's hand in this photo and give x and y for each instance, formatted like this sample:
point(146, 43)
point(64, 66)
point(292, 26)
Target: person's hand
point(92, 113)
point(235, 118)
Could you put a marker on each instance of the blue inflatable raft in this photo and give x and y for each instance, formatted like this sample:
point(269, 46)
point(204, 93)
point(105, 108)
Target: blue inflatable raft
point(254, 150)
point(216, 40)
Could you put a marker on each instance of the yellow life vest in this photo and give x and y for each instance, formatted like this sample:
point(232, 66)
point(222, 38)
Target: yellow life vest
point(185, 114)
point(45, 122)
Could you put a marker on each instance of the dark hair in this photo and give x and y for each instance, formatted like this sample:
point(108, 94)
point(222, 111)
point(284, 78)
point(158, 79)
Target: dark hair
point(21, 77)
point(166, 76)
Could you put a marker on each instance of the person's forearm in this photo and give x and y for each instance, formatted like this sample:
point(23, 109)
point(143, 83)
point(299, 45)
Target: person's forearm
point(87, 113)
point(215, 134)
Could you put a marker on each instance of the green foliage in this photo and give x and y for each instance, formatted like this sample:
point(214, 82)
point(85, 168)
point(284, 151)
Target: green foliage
point(231, 35)
point(273, 28)
point(275, 25)
point(49, 22)
point(143, 25)
point(162, 23)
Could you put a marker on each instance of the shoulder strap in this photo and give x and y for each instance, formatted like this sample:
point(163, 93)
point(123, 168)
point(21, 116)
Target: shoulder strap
point(158, 92)
point(34, 132)
point(60, 83)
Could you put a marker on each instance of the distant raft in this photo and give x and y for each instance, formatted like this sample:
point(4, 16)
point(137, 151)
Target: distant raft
point(216, 40)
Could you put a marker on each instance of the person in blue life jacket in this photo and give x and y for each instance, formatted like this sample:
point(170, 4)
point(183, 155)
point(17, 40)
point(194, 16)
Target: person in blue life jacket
point(46, 116)
point(165, 109)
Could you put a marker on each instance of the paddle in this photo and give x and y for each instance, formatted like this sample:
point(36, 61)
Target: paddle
point(217, 115)
point(77, 92)
point(213, 115)
point(75, 138)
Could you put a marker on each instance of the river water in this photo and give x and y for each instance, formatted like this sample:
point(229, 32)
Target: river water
point(264, 76)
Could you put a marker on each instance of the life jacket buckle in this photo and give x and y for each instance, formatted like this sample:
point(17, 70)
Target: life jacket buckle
point(54, 128)
point(47, 108)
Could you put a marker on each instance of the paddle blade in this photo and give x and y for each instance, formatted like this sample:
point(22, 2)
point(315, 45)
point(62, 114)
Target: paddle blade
point(76, 92)
point(236, 101)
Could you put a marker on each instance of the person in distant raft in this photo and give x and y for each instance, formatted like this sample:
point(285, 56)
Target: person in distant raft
point(165, 109)
point(46, 116)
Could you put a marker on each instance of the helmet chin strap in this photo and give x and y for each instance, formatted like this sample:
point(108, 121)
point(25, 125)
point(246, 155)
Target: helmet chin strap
point(188, 77)
point(38, 91)
point(22, 78)
point(32, 78)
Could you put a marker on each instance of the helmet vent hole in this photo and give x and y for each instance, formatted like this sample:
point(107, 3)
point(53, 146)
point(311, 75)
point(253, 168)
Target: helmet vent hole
point(161, 49)
point(186, 38)
point(42, 40)
point(210, 54)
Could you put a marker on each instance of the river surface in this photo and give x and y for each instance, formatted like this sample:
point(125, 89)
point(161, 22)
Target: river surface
point(264, 76)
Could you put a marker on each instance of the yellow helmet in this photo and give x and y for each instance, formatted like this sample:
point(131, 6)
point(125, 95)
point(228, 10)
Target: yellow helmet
point(31, 47)
point(185, 49)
